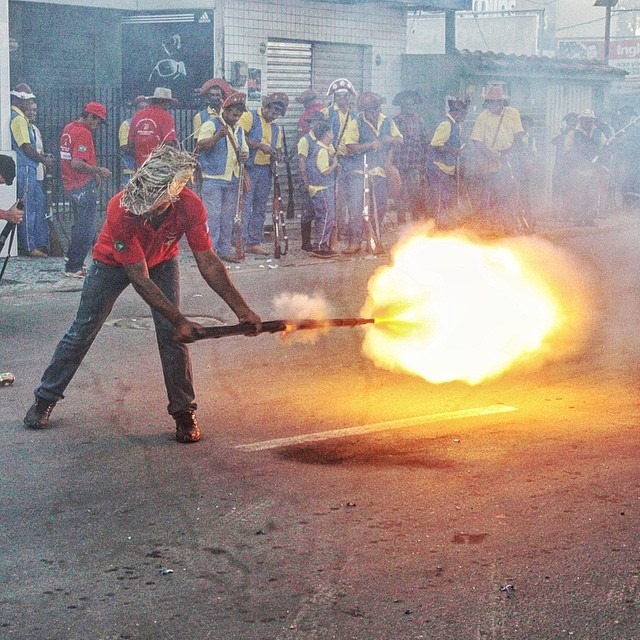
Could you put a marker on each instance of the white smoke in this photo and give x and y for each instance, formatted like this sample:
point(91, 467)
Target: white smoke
point(300, 306)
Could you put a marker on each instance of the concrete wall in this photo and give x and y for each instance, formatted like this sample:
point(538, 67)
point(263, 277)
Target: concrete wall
point(317, 22)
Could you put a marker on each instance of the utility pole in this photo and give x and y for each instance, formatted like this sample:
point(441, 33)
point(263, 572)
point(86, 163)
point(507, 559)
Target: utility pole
point(609, 4)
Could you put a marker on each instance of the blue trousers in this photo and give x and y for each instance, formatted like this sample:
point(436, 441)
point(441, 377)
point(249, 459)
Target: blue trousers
point(33, 231)
point(83, 231)
point(255, 204)
point(378, 197)
point(103, 285)
point(220, 198)
point(324, 214)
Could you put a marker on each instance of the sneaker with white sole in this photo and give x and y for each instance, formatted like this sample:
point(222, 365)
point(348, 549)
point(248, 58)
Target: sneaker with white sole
point(75, 274)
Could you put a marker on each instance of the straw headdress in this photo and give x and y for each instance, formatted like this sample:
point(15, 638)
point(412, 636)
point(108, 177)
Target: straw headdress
point(160, 179)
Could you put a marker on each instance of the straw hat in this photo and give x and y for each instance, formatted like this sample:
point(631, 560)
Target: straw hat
point(162, 93)
point(495, 93)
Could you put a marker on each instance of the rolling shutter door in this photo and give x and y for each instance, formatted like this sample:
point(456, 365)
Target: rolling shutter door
point(289, 70)
point(331, 61)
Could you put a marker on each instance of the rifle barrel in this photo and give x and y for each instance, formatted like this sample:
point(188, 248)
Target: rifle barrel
point(275, 326)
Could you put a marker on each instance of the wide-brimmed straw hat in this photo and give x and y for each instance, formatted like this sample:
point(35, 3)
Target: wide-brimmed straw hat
point(495, 93)
point(162, 93)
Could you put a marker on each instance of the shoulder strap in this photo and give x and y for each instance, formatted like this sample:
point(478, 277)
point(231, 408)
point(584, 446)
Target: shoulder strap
point(495, 138)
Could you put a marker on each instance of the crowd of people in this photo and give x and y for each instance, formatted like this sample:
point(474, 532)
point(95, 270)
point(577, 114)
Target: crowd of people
point(351, 161)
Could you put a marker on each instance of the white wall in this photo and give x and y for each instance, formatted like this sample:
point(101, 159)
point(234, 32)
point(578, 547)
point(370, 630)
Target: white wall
point(319, 22)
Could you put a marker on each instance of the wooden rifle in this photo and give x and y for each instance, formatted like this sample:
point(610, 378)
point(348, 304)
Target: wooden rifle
point(291, 206)
point(372, 238)
point(280, 238)
point(333, 241)
point(237, 218)
point(276, 326)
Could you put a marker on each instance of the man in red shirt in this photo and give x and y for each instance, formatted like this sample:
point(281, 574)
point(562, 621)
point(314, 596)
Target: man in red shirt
point(81, 176)
point(153, 126)
point(138, 245)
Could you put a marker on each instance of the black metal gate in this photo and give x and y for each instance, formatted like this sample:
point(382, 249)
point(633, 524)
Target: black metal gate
point(56, 108)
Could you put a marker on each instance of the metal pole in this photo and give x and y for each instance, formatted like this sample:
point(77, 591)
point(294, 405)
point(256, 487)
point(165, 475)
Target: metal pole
point(449, 31)
point(607, 34)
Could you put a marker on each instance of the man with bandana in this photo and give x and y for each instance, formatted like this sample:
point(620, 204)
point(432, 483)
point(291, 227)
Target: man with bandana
point(222, 149)
point(138, 245)
point(264, 138)
point(213, 92)
point(370, 138)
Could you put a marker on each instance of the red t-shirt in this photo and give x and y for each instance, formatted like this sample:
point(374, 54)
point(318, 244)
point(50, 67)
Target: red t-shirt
point(127, 239)
point(76, 141)
point(150, 127)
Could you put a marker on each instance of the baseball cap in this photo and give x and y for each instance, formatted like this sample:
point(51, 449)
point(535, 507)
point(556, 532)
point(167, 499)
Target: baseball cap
point(97, 109)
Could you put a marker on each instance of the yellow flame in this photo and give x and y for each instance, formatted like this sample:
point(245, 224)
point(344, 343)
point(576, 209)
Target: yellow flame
point(453, 307)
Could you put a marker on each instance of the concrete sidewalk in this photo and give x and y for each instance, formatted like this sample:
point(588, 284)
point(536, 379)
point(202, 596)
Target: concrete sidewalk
point(25, 276)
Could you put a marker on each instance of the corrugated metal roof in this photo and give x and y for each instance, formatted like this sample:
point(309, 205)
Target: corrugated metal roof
point(481, 62)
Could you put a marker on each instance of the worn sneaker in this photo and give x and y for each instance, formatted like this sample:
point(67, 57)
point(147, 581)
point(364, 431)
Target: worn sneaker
point(75, 274)
point(38, 415)
point(187, 429)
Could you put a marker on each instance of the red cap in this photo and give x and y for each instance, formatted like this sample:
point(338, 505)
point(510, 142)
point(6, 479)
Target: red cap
point(96, 109)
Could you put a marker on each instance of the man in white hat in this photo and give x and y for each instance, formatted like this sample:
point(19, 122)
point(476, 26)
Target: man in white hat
point(583, 146)
point(153, 125)
point(33, 232)
point(139, 245)
point(340, 113)
point(127, 161)
point(497, 130)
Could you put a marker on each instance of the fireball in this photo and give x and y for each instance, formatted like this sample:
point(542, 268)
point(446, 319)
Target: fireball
point(454, 307)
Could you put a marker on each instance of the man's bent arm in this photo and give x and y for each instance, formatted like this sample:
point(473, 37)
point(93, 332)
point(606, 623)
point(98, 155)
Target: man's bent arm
point(215, 275)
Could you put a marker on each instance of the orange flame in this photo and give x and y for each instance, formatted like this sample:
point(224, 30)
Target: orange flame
point(453, 307)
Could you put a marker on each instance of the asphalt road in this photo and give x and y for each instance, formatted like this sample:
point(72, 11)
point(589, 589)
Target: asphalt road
point(521, 525)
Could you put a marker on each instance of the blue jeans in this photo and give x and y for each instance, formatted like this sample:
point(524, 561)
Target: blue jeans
point(33, 231)
point(83, 231)
point(378, 197)
point(255, 204)
point(102, 287)
point(220, 198)
point(324, 214)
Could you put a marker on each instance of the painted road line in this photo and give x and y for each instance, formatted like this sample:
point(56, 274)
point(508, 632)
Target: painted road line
point(377, 426)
